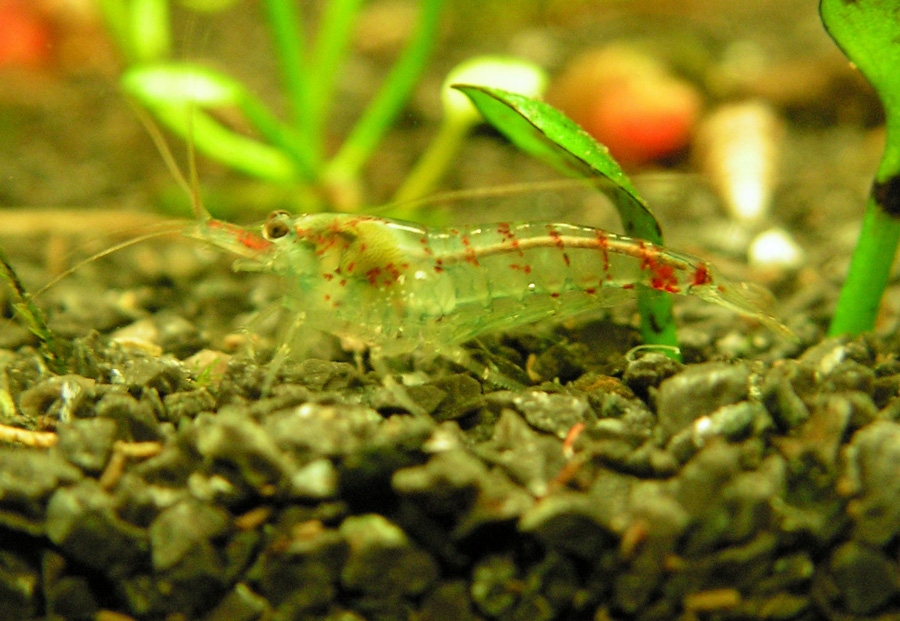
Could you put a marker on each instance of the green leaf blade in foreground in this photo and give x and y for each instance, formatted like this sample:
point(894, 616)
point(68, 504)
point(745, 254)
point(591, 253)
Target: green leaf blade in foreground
point(868, 32)
point(547, 134)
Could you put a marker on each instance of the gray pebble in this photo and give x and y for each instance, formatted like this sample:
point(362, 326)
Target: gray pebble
point(27, 479)
point(87, 443)
point(698, 391)
point(382, 562)
point(866, 578)
point(873, 461)
point(81, 520)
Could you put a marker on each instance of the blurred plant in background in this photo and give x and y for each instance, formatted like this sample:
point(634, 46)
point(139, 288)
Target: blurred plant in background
point(188, 98)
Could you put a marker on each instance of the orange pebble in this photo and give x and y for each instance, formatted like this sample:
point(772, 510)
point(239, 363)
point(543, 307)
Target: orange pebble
point(25, 38)
point(628, 102)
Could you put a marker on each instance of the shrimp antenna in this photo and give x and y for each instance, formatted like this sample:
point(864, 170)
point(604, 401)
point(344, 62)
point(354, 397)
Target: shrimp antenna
point(190, 187)
point(188, 184)
point(171, 228)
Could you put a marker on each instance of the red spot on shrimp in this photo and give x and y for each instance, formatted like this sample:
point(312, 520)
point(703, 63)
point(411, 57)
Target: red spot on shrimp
point(372, 275)
point(590, 291)
point(559, 243)
point(664, 279)
point(555, 294)
point(702, 275)
point(603, 245)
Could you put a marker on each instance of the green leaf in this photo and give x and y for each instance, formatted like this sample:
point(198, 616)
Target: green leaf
point(867, 31)
point(549, 135)
point(177, 83)
point(178, 95)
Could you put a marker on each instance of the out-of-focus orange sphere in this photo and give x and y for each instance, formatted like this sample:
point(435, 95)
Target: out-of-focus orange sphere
point(629, 102)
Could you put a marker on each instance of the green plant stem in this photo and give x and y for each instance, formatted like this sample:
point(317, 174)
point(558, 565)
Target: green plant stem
point(140, 28)
point(873, 258)
point(280, 135)
point(330, 47)
point(432, 164)
point(150, 36)
point(393, 94)
point(287, 25)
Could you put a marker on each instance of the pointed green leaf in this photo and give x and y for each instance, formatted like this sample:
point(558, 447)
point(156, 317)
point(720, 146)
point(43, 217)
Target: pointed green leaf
point(549, 135)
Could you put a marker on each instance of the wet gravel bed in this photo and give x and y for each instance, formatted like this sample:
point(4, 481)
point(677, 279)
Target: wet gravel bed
point(753, 486)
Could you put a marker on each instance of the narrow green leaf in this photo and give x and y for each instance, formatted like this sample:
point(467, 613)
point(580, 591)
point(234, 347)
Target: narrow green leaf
point(179, 83)
point(175, 91)
point(391, 97)
point(548, 134)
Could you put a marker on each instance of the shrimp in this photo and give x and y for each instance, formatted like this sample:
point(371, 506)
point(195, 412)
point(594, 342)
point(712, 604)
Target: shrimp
point(399, 287)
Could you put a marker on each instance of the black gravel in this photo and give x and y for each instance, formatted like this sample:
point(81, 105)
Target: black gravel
point(763, 487)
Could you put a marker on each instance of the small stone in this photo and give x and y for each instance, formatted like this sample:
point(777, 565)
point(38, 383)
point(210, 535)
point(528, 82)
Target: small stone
point(87, 443)
point(554, 413)
point(495, 587)
point(866, 578)
point(316, 480)
point(302, 552)
point(648, 371)
point(241, 604)
point(136, 420)
point(382, 562)
point(449, 601)
point(185, 530)
point(568, 522)
point(850, 375)
point(781, 400)
point(162, 374)
point(243, 451)
point(188, 404)
point(27, 479)
point(698, 391)
point(873, 461)
point(20, 588)
point(81, 520)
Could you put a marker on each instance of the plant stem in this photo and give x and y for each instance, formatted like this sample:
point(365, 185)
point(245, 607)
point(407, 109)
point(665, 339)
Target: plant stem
point(434, 162)
point(870, 267)
point(287, 25)
point(330, 47)
point(393, 94)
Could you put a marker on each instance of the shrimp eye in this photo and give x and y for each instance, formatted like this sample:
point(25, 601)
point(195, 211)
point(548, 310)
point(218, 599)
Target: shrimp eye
point(274, 229)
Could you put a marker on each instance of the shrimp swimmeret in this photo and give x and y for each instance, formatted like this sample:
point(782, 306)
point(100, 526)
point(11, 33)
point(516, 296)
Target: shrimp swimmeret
point(399, 287)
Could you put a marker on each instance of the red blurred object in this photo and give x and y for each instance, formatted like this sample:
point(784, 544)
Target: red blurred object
point(628, 102)
point(25, 36)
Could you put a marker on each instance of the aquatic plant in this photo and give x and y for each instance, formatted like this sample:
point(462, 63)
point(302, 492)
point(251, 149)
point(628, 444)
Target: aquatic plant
point(183, 95)
point(868, 32)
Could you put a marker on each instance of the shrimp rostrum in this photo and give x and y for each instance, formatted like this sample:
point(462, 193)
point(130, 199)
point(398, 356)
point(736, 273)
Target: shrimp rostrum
point(398, 287)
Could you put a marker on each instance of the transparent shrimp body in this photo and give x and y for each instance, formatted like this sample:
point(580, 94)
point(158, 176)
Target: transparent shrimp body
point(398, 287)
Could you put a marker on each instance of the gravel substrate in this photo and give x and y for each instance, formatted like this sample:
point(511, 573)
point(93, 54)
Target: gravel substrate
point(639, 488)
